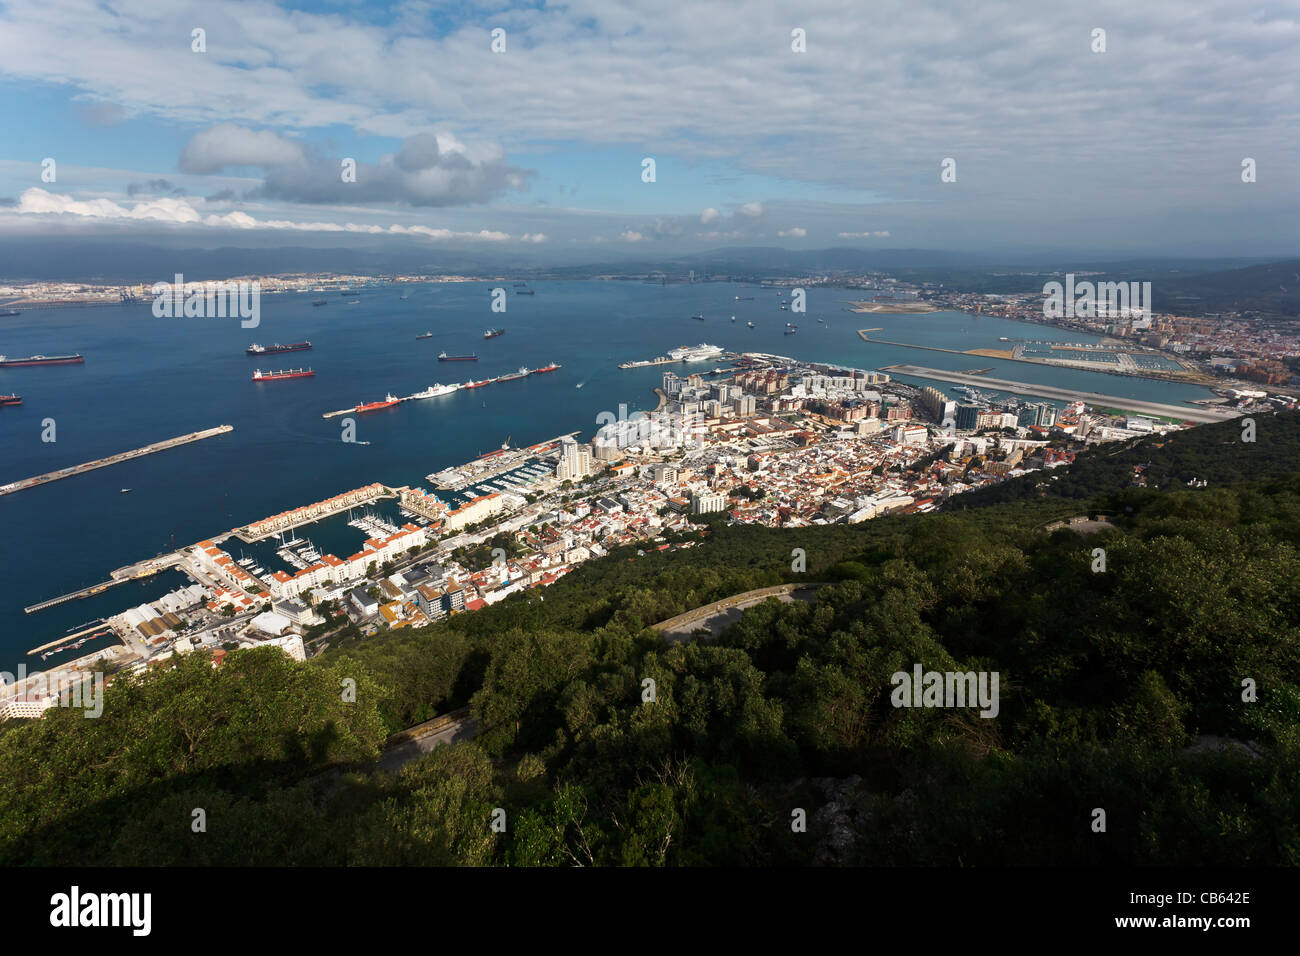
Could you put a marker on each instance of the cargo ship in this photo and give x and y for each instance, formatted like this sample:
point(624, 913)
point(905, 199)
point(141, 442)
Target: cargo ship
point(525, 292)
point(256, 349)
point(426, 335)
point(444, 357)
point(434, 390)
point(486, 381)
point(75, 359)
point(698, 318)
point(11, 399)
point(493, 333)
point(260, 376)
point(513, 376)
point(545, 368)
point(389, 401)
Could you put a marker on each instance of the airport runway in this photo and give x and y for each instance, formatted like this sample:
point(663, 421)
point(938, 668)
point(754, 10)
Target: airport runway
point(1192, 413)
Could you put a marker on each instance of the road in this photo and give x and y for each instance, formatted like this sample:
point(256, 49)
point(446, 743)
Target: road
point(1191, 413)
point(720, 615)
point(422, 738)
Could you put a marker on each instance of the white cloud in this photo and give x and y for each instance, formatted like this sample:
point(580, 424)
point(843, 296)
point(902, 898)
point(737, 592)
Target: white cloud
point(39, 202)
point(226, 144)
point(708, 216)
point(35, 201)
point(630, 235)
point(864, 235)
point(751, 209)
point(794, 232)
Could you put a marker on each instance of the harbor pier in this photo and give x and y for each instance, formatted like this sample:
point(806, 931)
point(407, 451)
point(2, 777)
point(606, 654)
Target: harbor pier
point(49, 476)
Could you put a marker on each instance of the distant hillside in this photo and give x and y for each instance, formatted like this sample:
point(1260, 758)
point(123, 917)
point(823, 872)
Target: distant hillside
point(1270, 289)
point(1213, 453)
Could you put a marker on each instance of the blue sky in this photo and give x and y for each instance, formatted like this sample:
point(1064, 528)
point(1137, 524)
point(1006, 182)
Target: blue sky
point(1136, 147)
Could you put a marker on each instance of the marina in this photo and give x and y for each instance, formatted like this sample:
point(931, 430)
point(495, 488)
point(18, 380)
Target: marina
point(476, 475)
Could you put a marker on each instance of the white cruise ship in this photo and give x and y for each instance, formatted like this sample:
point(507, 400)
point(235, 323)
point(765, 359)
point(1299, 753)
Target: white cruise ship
point(695, 353)
point(434, 390)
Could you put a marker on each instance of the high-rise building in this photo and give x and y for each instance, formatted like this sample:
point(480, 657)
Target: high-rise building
point(1046, 415)
point(575, 460)
point(968, 417)
point(934, 402)
point(605, 448)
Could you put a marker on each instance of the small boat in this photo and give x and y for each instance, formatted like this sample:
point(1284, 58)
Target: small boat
point(733, 318)
point(123, 490)
point(750, 324)
point(426, 335)
point(698, 318)
point(403, 296)
point(580, 384)
point(319, 302)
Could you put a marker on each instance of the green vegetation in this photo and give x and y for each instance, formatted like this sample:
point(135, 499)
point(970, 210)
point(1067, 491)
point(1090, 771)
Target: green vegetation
point(1212, 453)
point(1121, 689)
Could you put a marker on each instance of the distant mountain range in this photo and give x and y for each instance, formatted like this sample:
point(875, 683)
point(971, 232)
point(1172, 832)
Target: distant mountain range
point(1271, 289)
point(1178, 285)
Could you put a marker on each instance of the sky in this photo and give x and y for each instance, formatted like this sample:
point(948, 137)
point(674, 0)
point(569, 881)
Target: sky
point(805, 125)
